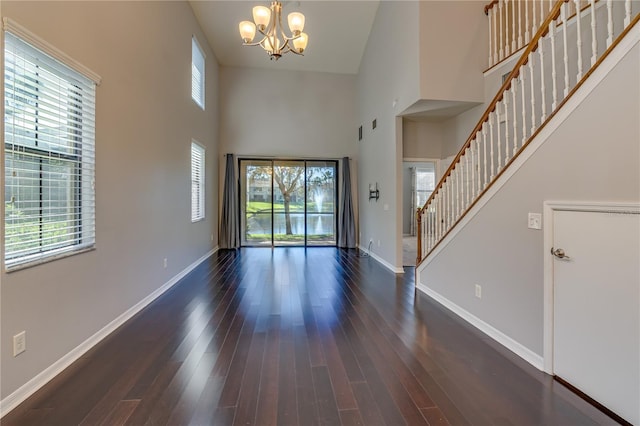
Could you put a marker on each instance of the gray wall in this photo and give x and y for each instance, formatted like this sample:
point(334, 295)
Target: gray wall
point(287, 113)
point(145, 122)
point(388, 82)
point(453, 50)
point(593, 156)
point(422, 139)
point(407, 61)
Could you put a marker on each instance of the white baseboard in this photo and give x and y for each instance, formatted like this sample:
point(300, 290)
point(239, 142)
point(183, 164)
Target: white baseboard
point(506, 341)
point(383, 262)
point(29, 388)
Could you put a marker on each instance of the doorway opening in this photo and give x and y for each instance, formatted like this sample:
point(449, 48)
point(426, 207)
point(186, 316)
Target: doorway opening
point(288, 202)
point(418, 182)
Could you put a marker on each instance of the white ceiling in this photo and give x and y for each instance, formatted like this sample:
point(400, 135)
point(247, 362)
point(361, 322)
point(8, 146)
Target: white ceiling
point(338, 33)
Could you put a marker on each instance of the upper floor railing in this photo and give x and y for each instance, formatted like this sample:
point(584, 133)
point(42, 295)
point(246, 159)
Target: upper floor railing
point(562, 53)
point(512, 23)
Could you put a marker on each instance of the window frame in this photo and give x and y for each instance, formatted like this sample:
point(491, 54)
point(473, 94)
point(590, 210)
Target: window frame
point(80, 160)
point(198, 57)
point(198, 214)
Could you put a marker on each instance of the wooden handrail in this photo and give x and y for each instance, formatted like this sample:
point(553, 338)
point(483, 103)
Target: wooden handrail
point(524, 59)
point(490, 6)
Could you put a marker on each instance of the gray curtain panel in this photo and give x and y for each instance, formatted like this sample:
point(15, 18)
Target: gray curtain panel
point(229, 229)
point(346, 219)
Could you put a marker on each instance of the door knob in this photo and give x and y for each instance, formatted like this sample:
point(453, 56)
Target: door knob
point(559, 253)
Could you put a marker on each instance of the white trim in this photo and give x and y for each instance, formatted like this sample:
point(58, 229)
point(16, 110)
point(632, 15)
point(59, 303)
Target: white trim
point(29, 388)
point(383, 262)
point(18, 30)
point(549, 207)
point(625, 45)
point(522, 351)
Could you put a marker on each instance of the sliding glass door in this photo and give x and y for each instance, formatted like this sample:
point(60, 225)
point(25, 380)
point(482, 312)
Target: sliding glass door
point(288, 202)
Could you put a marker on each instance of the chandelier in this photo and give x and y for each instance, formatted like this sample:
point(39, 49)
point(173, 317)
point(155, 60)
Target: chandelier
point(268, 20)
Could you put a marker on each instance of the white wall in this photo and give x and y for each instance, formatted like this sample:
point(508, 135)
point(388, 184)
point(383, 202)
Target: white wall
point(594, 155)
point(453, 50)
point(422, 139)
point(145, 122)
point(387, 83)
point(287, 113)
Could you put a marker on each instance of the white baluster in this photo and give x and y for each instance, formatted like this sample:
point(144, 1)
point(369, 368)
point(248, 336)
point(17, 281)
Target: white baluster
point(477, 169)
point(533, 95)
point(438, 215)
point(505, 102)
point(627, 13)
point(429, 223)
point(459, 188)
point(563, 13)
point(527, 37)
point(491, 140)
point(514, 46)
point(594, 39)
point(494, 11)
point(610, 23)
point(515, 116)
point(446, 209)
point(542, 16)
point(505, 29)
point(473, 168)
point(484, 143)
point(500, 2)
point(524, 105)
point(452, 194)
point(543, 89)
point(534, 28)
point(579, 43)
point(520, 42)
point(499, 139)
point(554, 87)
point(467, 179)
point(489, 16)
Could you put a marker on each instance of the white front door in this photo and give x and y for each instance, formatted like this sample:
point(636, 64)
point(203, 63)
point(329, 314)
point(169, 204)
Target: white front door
point(596, 325)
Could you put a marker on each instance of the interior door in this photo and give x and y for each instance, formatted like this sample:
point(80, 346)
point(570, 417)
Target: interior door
point(596, 279)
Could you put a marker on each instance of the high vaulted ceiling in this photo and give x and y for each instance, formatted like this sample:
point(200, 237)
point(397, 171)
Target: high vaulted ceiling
point(338, 33)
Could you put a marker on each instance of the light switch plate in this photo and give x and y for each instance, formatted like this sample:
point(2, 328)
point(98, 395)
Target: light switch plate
point(535, 221)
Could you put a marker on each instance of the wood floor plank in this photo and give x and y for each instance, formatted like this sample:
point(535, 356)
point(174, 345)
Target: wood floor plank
point(327, 408)
point(120, 413)
point(267, 404)
point(351, 418)
point(300, 336)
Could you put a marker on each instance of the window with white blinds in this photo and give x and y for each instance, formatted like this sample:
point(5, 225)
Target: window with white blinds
point(197, 182)
point(197, 73)
point(49, 156)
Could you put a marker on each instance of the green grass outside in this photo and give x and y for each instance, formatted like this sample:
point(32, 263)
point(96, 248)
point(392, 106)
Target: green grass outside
point(262, 206)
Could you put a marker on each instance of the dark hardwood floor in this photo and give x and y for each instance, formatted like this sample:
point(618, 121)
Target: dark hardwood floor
point(300, 336)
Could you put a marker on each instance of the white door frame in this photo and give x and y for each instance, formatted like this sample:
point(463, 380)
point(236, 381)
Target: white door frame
point(548, 208)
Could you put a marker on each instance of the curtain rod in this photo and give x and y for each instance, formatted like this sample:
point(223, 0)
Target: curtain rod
point(266, 157)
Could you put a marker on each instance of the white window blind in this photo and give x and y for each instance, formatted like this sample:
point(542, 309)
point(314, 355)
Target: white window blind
point(197, 182)
point(197, 73)
point(49, 156)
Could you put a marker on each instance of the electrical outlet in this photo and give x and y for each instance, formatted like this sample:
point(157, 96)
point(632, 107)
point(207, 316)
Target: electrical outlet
point(19, 343)
point(535, 221)
point(478, 291)
point(378, 243)
point(211, 237)
point(164, 263)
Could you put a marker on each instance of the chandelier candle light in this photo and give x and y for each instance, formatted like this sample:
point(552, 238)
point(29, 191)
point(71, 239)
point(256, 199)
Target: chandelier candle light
point(268, 20)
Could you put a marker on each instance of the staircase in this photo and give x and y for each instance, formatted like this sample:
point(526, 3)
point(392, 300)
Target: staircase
point(567, 40)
